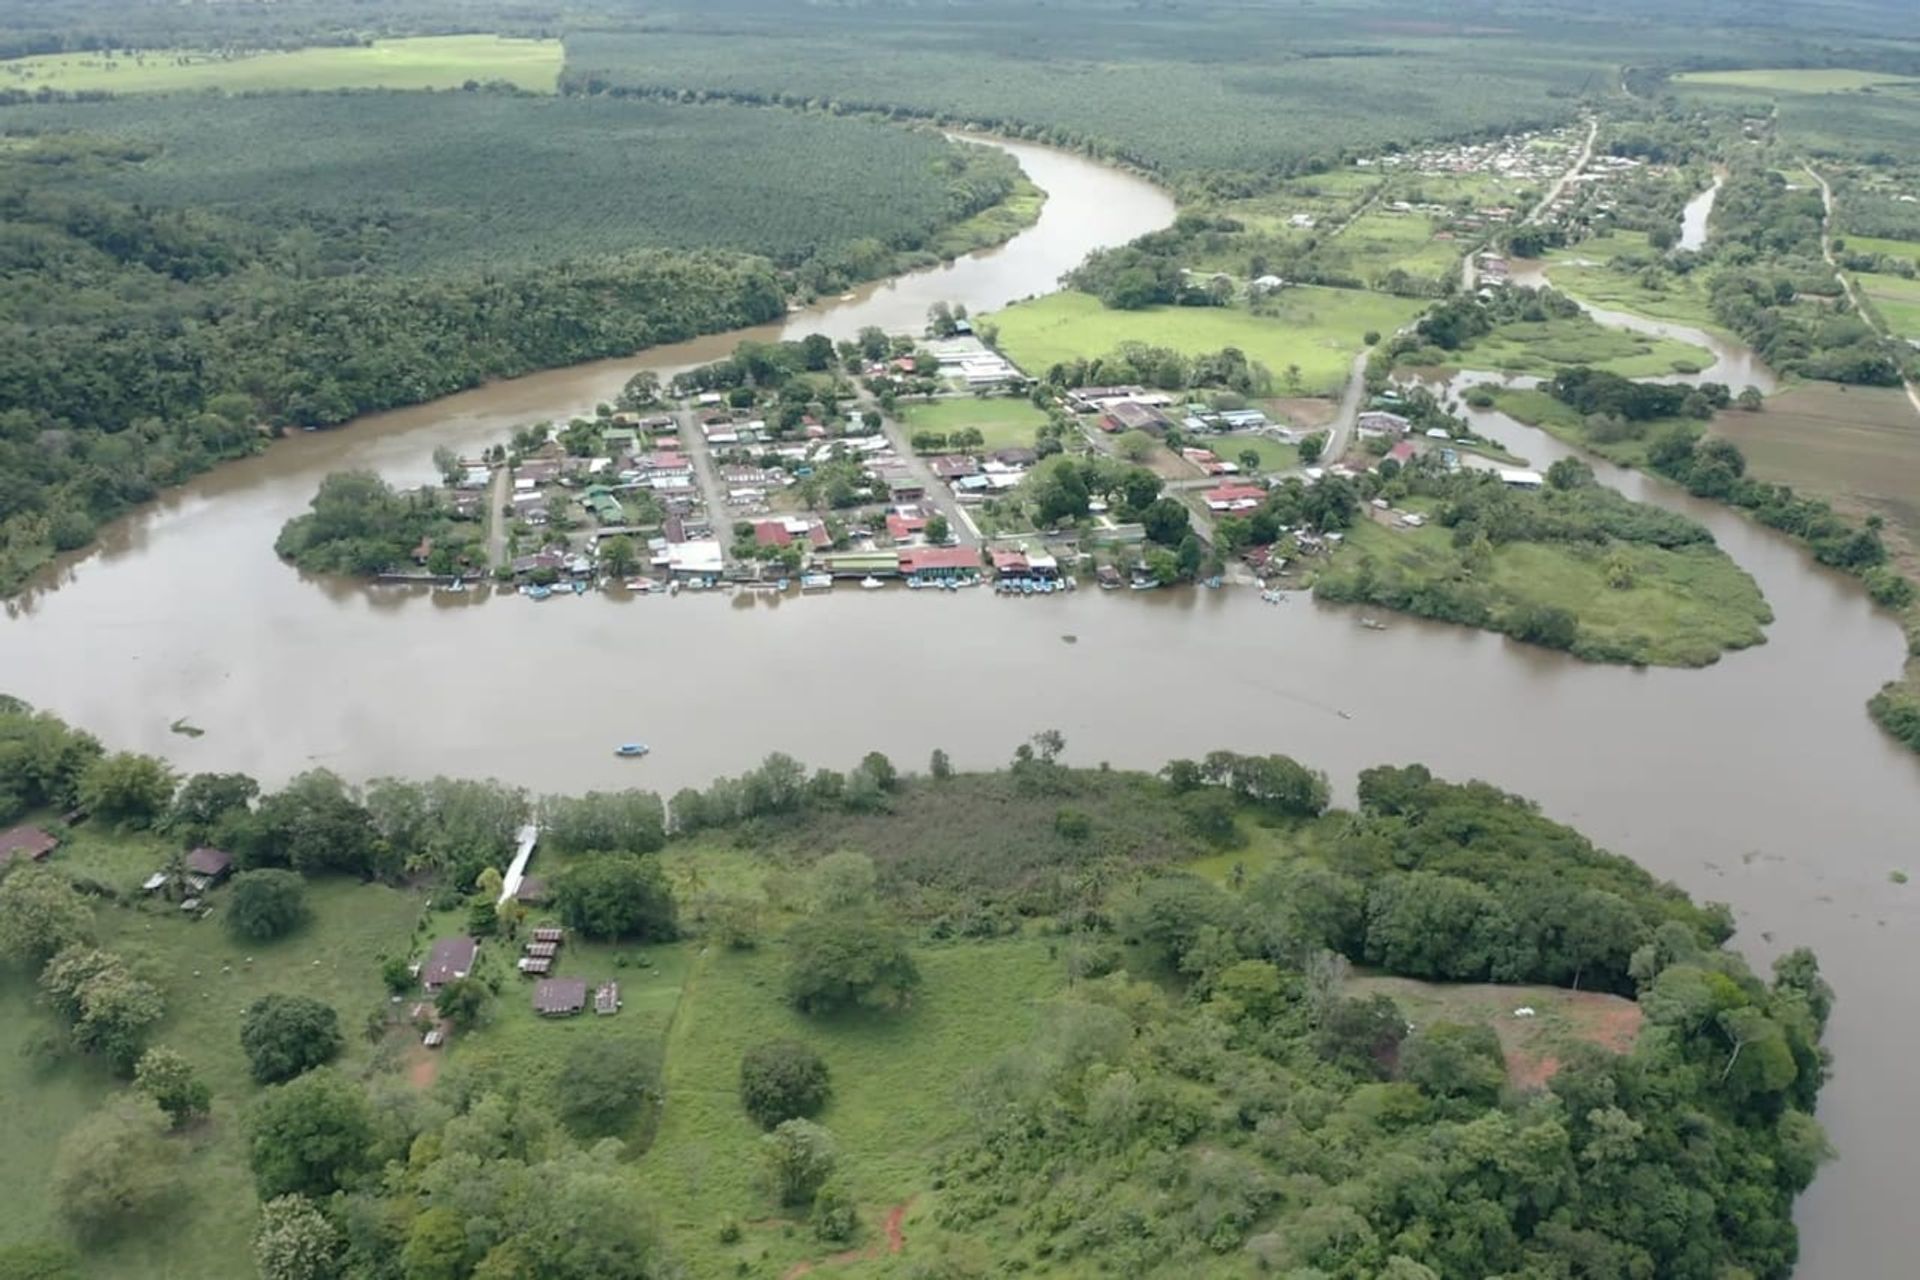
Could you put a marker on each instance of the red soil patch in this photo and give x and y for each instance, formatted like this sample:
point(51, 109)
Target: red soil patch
point(895, 1241)
point(423, 1067)
point(1608, 1021)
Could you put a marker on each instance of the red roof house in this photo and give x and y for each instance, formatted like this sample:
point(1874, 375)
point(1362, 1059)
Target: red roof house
point(1235, 497)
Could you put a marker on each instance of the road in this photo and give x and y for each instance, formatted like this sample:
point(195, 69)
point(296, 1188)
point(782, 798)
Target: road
point(939, 492)
point(1566, 179)
point(1846, 282)
point(498, 491)
point(708, 479)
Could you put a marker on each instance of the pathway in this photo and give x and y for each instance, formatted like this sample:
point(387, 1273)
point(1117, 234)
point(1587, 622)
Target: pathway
point(1846, 281)
point(517, 869)
point(498, 490)
point(704, 475)
point(1566, 179)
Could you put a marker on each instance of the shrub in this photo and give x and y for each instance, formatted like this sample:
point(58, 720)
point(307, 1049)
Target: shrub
point(835, 1218)
point(264, 905)
point(783, 1080)
point(849, 959)
point(285, 1035)
point(798, 1158)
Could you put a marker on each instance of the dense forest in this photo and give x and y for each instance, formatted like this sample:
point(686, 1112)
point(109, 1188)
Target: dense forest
point(1224, 1081)
point(175, 293)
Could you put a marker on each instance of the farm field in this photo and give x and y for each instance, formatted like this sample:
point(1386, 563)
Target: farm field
point(1896, 298)
point(1796, 79)
point(1320, 330)
point(209, 979)
point(418, 62)
point(1685, 608)
point(413, 182)
point(1004, 421)
point(1897, 248)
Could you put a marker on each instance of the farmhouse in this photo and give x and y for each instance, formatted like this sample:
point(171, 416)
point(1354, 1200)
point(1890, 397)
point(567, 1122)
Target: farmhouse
point(559, 997)
point(450, 960)
point(29, 844)
point(207, 867)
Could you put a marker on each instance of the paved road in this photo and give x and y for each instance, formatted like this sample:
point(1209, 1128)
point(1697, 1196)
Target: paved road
point(959, 522)
point(1554, 192)
point(1846, 282)
point(704, 475)
point(498, 491)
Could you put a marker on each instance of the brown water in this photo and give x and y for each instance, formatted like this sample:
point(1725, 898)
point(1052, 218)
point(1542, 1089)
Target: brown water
point(1759, 781)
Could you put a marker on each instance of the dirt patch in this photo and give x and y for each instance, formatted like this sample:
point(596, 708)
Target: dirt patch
point(1305, 411)
point(1533, 1044)
point(423, 1067)
point(892, 1241)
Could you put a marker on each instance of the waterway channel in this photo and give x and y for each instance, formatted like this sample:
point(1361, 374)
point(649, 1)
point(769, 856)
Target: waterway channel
point(1759, 781)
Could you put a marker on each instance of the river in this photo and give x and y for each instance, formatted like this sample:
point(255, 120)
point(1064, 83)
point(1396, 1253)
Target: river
point(1759, 781)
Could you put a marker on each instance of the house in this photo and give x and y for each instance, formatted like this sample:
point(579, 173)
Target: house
point(1235, 497)
point(28, 843)
point(785, 532)
point(1514, 478)
point(549, 933)
point(700, 558)
point(1088, 399)
point(450, 960)
point(951, 467)
point(207, 867)
point(532, 891)
point(606, 998)
point(1403, 453)
point(1017, 457)
point(1010, 564)
point(901, 526)
point(1133, 415)
point(559, 997)
point(939, 564)
point(905, 488)
point(549, 560)
point(1379, 422)
point(721, 432)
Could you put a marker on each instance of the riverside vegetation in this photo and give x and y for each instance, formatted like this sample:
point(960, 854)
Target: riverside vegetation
point(1066, 1018)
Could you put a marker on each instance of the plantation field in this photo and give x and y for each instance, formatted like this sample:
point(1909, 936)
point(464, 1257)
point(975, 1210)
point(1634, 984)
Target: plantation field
point(425, 182)
point(1796, 79)
point(1533, 1045)
point(896, 1097)
point(419, 62)
point(1685, 608)
point(208, 980)
point(1320, 330)
point(1547, 346)
point(1004, 421)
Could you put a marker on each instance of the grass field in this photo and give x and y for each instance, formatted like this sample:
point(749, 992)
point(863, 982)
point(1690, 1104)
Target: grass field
point(1897, 299)
point(1533, 1045)
point(208, 981)
point(421, 62)
point(1545, 347)
point(1274, 456)
point(1685, 607)
point(1585, 272)
point(895, 1083)
point(1320, 330)
point(1004, 421)
point(1795, 79)
point(1378, 243)
point(1873, 244)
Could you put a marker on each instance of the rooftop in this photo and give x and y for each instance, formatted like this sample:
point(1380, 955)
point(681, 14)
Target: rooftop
point(559, 995)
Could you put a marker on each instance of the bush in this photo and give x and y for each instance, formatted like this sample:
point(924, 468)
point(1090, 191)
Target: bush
point(846, 960)
point(264, 905)
point(114, 1170)
point(285, 1035)
point(168, 1078)
point(783, 1080)
point(835, 1218)
point(798, 1158)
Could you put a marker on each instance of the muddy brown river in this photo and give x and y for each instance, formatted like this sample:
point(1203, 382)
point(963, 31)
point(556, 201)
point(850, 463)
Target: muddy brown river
point(1759, 781)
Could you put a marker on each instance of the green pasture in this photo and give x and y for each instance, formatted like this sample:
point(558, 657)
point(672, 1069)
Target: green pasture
point(1004, 421)
point(419, 62)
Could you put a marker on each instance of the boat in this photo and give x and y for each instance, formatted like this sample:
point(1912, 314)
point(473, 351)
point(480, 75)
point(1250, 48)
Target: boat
point(538, 592)
point(782, 585)
point(871, 583)
point(1070, 639)
point(1108, 578)
point(1373, 624)
point(632, 750)
point(1143, 584)
point(816, 582)
point(579, 587)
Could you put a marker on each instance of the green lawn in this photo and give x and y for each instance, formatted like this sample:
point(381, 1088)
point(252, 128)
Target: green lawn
point(1685, 607)
point(421, 62)
point(1546, 347)
point(1274, 456)
point(1794, 79)
point(208, 981)
point(1895, 248)
point(1006, 422)
point(1897, 299)
point(1320, 330)
point(895, 1081)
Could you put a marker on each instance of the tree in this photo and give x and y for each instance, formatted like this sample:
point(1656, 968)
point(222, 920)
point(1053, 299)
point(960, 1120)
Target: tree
point(798, 1157)
point(111, 1011)
point(783, 1080)
point(606, 1083)
point(462, 1002)
point(311, 1136)
point(127, 789)
point(1135, 446)
point(113, 1170)
point(1311, 447)
point(615, 898)
point(604, 822)
point(881, 769)
point(1543, 624)
point(939, 532)
point(1361, 1034)
point(284, 1035)
point(843, 880)
point(939, 766)
point(1249, 460)
point(1449, 1060)
point(169, 1079)
point(1166, 521)
point(315, 824)
point(40, 914)
point(617, 555)
point(266, 904)
point(204, 800)
point(847, 960)
point(1750, 399)
point(835, 1217)
point(295, 1241)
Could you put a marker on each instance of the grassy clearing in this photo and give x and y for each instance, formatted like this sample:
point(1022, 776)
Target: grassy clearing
point(1004, 421)
point(422, 62)
point(1685, 608)
point(1545, 347)
point(1584, 272)
point(208, 981)
point(1274, 455)
point(1795, 79)
point(1538, 409)
point(1897, 299)
point(1895, 248)
point(895, 1084)
point(1533, 1045)
point(1320, 330)
point(1379, 243)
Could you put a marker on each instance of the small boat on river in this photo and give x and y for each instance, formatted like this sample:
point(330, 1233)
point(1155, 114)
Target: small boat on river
point(871, 583)
point(1373, 624)
point(537, 592)
point(631, 750)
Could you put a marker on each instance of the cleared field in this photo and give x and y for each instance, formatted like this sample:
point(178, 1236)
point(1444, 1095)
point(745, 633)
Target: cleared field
point(1274, 456)
point(1795, 79)
point(895, 1082)
point(208, 980)
point(421, 62)
point(1003, 421)
point(1379, 243)
point(1897, 299)
point(1874, 244)
point(1533, 1044)
point(1320, 330)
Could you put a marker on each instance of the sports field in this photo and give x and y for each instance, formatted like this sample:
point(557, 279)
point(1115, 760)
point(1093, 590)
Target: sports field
point(423, 62)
